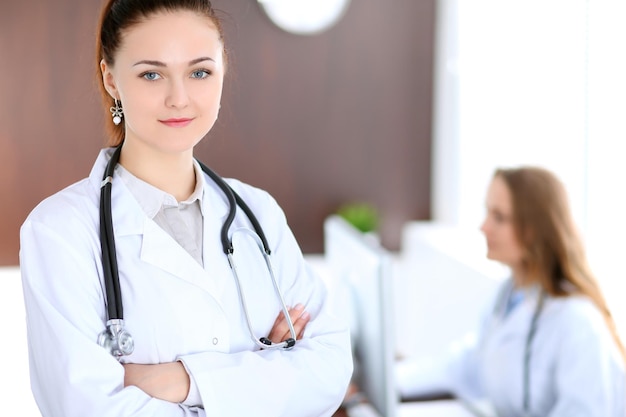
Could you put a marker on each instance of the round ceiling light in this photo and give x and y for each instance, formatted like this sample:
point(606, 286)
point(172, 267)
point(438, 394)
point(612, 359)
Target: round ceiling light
point(304, 17)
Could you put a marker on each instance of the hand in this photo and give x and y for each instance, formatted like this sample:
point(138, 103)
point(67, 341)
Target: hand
point(280, 331)
point(165, 381)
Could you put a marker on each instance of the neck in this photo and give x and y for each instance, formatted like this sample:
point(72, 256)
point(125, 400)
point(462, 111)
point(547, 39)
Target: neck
point(520, 277)
point(169, 172)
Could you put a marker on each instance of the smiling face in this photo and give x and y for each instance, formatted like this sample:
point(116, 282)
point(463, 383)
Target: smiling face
point(498, 227)
point(168, 74)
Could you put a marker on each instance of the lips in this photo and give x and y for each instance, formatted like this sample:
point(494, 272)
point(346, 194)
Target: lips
point(176, 122)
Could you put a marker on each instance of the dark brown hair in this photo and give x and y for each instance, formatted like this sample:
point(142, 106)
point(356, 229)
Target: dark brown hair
point(554, 253)
point(118, 16)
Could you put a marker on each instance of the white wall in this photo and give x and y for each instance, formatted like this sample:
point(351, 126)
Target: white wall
point(15, 394)
point(510, 89)
point(606, 151)
point(446, 285)
point(442, 286)
point(535, 82)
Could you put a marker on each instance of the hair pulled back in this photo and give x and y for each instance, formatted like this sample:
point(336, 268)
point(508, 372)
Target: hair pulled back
point(120, 15)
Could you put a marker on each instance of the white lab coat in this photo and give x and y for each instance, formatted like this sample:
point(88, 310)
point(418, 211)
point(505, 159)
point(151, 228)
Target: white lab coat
point(575, 367)
point(175, 309)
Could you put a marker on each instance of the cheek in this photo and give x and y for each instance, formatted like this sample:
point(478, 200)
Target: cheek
point(513, 247)
point(138, 116)
point(209, 105)
point(211, 96)
point(138, 101)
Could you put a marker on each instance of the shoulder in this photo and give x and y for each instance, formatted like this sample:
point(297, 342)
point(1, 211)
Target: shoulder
point(243, 188)
point(76, 204)
point(574, 306)
point(575, 329)
point(583, 339)
point(71, 203)
point(66, 223)
point(257, 199)
point(269, 214)
point(578, 317)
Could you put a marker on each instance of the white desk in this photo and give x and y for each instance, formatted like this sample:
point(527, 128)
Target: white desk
point(441, 408)
point(442, 284)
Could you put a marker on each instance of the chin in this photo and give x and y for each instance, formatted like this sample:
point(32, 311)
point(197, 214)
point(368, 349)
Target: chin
point(178, 144)
point(493, 256)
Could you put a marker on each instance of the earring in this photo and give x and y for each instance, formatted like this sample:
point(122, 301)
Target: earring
point(117, 112)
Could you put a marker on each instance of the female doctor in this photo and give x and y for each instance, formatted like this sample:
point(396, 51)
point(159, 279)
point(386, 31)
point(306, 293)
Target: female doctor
point(195, 326)
point(549, 346)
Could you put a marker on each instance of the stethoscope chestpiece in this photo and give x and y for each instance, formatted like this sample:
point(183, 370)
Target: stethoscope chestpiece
point(116, 340)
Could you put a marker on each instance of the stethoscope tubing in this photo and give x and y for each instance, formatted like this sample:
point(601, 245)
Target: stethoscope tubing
point(109, 258)
point(234, 200)
point(115, 323)
point(286, 344)
point(500, 306)
point(528, 350)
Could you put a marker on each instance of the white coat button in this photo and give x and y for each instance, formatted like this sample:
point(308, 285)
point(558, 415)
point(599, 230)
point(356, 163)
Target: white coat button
point(215, 341)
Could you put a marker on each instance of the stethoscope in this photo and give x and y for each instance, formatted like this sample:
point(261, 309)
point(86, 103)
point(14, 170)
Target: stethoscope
point(500, 305)
point(115, 338)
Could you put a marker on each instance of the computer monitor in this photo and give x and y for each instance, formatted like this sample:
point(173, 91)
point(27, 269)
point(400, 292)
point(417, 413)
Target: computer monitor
point(360, 265)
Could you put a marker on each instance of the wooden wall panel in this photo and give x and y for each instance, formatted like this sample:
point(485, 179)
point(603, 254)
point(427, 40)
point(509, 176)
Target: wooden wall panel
point(50, 119)
point(317, 121)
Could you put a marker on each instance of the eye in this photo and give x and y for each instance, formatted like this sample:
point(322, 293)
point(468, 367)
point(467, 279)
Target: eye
point(200, 74)
point(498, 217)
point(151, 76)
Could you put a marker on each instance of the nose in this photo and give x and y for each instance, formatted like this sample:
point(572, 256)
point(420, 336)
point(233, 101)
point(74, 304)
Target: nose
point(177, 96)
point(484, 226)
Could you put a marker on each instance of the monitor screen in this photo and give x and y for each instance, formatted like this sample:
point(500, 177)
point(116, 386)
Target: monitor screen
point(362, 267)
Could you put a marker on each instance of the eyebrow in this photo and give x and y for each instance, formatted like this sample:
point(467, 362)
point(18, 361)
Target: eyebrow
point(162, 64)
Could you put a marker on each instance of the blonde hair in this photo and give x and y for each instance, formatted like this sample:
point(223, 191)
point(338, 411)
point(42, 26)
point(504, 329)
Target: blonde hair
point(554, 252)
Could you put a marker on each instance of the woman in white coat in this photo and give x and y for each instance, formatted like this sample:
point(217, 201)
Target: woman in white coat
point(549, 346)
point(162, 65)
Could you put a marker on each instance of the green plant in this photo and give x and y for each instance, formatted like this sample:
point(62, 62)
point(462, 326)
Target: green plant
point(363, 216)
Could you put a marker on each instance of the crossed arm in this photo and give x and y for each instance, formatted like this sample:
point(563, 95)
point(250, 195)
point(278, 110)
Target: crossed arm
point(170, 381)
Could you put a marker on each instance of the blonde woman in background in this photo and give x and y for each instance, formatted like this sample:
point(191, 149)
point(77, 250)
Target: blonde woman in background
point(550, 346)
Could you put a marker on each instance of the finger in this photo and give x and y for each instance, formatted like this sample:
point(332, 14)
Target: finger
point(300, 324)
point(294, 314)
point(279, 319)
point(280, 331)
point(299, 319)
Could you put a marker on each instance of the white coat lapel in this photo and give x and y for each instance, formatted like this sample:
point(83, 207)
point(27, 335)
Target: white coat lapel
point(512, 326)
point(157, 247)
point(517, 323)
point(161, 250)
point(215, 211)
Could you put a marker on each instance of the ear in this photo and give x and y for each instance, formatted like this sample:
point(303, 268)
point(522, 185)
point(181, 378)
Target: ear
point(108, 80)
